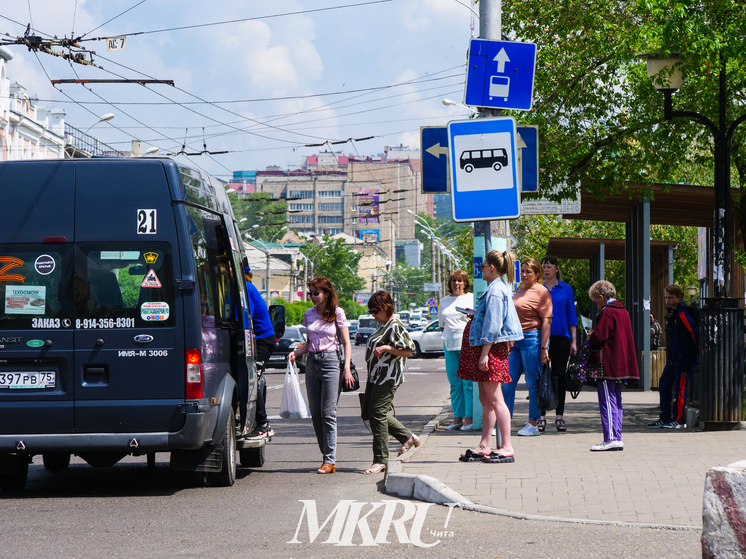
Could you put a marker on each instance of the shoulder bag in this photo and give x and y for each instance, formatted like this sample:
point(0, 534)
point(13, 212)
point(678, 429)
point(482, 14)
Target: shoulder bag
point(353, 369)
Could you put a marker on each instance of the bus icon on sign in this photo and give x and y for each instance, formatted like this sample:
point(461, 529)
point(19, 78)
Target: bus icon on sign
point(499, 87)
point(483, 158)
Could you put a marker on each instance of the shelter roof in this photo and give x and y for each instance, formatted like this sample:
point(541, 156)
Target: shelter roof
point(585, 249)
point(681, 204)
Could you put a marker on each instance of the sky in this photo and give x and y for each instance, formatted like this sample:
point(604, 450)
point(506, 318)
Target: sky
point(290, 74)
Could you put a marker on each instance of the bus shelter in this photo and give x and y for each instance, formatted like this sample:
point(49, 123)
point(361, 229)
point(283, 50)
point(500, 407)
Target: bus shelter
point(665, 204)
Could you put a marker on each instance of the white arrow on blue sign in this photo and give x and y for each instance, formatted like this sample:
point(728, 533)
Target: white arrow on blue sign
point(484, 170)
point(530, 158)
point(434, 142)
point(500, 74)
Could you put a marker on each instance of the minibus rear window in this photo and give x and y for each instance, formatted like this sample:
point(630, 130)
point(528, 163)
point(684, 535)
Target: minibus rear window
point(123, 285)
point(32, 293)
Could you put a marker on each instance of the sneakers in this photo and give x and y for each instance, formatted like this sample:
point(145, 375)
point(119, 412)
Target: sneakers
point(261, 432)
point(529, 431)
point(612, 445)
point(467, 427)
point(454, 427)
point(656, 424)
point(673, 425)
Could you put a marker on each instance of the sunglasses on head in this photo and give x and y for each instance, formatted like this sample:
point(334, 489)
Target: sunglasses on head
point(314, 293)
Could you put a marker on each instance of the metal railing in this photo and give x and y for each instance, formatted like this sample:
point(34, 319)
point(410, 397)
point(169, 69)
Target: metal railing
point(80, 144)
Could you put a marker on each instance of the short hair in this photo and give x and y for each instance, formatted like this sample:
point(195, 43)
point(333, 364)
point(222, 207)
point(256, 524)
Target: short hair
point(382, 301)
point(249, 274)
point(675, 290)
point(554, 262)
point(330, 311)
point(459, 275)
point(603, 289)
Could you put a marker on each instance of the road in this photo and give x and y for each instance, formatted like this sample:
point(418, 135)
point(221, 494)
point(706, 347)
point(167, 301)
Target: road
point(130, 511)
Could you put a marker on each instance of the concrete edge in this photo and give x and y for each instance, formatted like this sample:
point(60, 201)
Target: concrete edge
point(430, 490)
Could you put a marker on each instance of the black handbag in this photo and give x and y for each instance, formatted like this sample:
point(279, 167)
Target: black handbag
point(355, 377)
point(547, 394)
point(573, 378)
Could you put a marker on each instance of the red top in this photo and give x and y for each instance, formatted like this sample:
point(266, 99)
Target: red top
point(613, 332)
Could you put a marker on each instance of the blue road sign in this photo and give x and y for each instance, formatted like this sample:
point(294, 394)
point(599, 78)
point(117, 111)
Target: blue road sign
point(478, 267)
point(432, 310)
point(484, 170)
point(434, 144)
point(529, 158)
point(500, 74)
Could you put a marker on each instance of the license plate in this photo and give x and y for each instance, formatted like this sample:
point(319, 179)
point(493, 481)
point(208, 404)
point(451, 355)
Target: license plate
point(276, 357)
point(27, 379)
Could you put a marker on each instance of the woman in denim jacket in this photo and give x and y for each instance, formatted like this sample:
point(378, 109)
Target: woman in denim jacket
point(487, 340)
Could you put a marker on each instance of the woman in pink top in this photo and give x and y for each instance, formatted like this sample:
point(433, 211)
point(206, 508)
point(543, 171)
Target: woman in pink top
point(533, 303)
point(326, 325)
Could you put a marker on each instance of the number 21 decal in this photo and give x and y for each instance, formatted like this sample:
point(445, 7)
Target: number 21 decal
point(146, 222)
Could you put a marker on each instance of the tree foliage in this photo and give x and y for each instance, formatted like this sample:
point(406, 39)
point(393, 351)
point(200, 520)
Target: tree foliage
point(257, 209)
point(335, 261)
point(599, 117)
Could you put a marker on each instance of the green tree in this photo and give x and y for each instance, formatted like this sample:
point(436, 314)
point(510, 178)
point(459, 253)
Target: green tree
point(258, 209)
point(335, 261)
point(600, 119)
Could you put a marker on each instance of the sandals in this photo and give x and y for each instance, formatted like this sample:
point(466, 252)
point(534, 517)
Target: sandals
point(472, 456)
point(414, 440)
point(497, 458)
point(560, 425)
point(375, 469)
point(541, 425)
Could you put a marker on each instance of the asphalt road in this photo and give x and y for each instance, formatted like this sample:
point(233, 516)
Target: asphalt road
point(130, 511)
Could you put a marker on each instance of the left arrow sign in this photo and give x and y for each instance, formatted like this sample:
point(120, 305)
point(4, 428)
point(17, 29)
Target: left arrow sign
point(437, 151)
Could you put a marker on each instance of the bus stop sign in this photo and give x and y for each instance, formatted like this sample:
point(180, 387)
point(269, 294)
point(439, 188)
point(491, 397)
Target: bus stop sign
point(484, 170)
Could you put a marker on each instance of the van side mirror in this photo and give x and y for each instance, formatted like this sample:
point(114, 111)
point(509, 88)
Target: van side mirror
point(277, 316)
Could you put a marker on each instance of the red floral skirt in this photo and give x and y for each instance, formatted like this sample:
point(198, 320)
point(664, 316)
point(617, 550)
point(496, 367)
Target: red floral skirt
point(468, 365)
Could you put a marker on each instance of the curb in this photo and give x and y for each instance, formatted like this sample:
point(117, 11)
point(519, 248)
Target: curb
point(430, 490)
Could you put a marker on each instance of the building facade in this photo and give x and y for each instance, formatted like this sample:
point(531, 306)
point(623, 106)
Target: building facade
point(27, 130)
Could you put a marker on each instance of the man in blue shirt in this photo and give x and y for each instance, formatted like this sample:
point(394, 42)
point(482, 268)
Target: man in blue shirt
point(265, 343)
point(682, 333)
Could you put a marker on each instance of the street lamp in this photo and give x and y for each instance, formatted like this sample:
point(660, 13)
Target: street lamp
point(151, 150)
point(721, 321)
point(691, 290)
point(267, 253)
point(447, 102)
point(106, 117)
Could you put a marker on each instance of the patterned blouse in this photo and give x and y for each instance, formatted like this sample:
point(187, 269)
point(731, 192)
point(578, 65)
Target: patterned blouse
point(388, 366)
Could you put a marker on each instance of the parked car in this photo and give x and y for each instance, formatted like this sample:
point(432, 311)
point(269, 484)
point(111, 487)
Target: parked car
point(366, 326)
point(294, 336)
point(353, 329)
point(428, 341)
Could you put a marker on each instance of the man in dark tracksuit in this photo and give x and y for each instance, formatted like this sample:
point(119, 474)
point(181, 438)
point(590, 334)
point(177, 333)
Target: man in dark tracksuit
point(682, 332)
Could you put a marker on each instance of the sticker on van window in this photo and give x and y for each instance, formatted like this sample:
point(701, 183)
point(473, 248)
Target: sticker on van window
point(150, 257)
point(155, 311)
point(44, 265)
point(147, 221)
point(46, 323)
point(25, 300)
point(10, 262)
point(151, 280)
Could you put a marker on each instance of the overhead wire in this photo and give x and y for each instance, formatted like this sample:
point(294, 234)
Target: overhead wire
point(199, 25)
point(112, 19)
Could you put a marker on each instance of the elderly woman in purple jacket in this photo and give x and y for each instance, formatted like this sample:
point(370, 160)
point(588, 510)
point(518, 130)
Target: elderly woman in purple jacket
point(613, 335)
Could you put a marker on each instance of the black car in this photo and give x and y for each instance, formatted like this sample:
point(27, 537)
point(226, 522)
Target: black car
point(366, 326)
point(294, 336)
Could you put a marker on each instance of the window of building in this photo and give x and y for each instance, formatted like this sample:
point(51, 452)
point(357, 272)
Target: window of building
point(330, 193)
point(301, 194)
point(331, 219)
point(331, 231)
point(331, 207)
point(302, 207)
point(300, 219)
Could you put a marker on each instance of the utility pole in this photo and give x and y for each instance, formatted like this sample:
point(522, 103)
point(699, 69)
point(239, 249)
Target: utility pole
point(267, 280)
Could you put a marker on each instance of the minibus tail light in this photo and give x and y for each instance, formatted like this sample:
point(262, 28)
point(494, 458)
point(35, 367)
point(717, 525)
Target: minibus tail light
point(194, 380)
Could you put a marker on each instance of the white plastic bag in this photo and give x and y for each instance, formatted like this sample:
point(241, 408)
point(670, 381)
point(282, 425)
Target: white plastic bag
point(293, 404)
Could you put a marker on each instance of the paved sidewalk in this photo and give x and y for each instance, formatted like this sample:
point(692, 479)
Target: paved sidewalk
point(657, 479)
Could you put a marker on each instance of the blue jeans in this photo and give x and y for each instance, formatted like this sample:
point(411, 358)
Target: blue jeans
point(323, 389)
point(461, 390)
point(525, 357)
